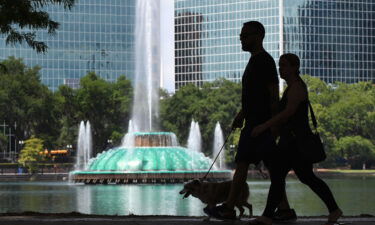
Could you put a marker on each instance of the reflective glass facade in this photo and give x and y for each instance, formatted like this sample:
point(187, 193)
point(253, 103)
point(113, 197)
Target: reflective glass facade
point(96, 35)
point(207, 43)
point(334, 39)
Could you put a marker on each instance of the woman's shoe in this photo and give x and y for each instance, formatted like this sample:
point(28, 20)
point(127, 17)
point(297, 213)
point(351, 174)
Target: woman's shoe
point(333, 217)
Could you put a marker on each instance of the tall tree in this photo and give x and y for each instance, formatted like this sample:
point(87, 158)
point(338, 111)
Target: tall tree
point(177, 111)
point(106, 105)
point(27, 105)
point(357, 150)
point(68, 107)
point(20, 18)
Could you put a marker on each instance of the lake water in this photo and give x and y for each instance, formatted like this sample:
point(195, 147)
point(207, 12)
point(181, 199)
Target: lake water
point(355, 195)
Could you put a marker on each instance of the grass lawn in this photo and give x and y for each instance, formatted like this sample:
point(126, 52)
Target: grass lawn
point(347, 171)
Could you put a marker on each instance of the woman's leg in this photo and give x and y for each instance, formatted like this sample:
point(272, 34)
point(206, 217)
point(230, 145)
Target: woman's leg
point(284, 203)
point(306, 175)
point(278, 170)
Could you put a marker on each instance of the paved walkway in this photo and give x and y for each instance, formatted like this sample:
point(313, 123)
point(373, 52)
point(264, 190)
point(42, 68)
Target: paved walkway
point(68, 219)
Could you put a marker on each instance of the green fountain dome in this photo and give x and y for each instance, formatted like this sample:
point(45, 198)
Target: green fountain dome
point(149, 159)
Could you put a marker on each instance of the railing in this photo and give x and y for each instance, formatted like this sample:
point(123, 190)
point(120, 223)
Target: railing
point(40, 168)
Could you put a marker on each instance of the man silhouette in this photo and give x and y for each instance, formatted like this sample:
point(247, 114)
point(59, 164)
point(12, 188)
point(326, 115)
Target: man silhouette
point(260, 96)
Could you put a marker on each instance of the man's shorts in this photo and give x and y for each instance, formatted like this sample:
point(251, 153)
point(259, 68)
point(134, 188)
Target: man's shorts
point(254, 149)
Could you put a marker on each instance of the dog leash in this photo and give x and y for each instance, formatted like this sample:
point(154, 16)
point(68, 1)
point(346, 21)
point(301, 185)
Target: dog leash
point(222, 147)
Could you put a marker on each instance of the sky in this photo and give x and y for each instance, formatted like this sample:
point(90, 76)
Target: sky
point(167, 44)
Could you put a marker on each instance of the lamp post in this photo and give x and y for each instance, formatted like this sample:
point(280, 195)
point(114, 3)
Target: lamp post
point(21, 143)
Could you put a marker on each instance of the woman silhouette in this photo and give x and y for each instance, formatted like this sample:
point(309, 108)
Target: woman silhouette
point(293, 119)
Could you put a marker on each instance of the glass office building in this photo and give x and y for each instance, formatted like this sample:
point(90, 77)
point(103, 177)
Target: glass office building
point(95, 35)
point(335, 39)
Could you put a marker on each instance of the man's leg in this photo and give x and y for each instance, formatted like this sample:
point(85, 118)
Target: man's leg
point(284, 213)
point(239, 178)
point(226, 210)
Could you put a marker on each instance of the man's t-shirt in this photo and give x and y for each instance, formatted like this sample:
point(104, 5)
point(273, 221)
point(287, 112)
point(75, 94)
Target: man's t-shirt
point(260, 72)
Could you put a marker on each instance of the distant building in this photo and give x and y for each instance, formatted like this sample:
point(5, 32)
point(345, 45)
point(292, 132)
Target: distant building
point(96, 35)
point(335, 39)
point(188, 39)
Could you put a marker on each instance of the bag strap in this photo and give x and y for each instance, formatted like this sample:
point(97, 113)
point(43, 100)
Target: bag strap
point(313, 119)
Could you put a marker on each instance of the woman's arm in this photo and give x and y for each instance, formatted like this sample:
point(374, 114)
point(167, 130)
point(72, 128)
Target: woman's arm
point(296, 95)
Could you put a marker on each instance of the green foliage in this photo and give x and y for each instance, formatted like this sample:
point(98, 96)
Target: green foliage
point(55, 117)
point(342, 111)
point(357, 150)
point(3, 142)
point(106, 105)
point(26, 102)
point(345, 112)
point(215, 102)
point(346, 115)
point(176, 112)
point(67, 104)
point(116, 138)
point(30, 154)
point(16, 15)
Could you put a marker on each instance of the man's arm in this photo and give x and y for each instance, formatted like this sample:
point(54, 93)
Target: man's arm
point(273, 90)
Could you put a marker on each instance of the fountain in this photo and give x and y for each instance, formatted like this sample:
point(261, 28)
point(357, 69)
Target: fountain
point(84, 146)
point(146, 155)
point(194, 139)
point(218, 143)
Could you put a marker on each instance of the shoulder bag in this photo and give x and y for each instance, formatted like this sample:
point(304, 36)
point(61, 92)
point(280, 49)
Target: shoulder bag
point(310, 146)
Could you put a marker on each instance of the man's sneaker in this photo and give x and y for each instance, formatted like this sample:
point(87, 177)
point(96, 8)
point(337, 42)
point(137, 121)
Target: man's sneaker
point(285, 215)
point(221, 212)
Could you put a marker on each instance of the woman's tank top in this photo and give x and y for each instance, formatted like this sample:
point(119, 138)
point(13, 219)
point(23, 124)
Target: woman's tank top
point(298, 123)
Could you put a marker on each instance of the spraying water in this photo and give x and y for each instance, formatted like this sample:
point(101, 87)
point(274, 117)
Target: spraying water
point(145, 151)
point(194, 139)
point(80, 146)
point(131, 127)
point(147, 65)
point(84, 145)
point(218, 143)
point(128, 139)
point(88, 150)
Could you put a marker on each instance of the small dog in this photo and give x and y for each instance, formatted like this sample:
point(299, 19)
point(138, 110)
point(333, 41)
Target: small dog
point(214, 193)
